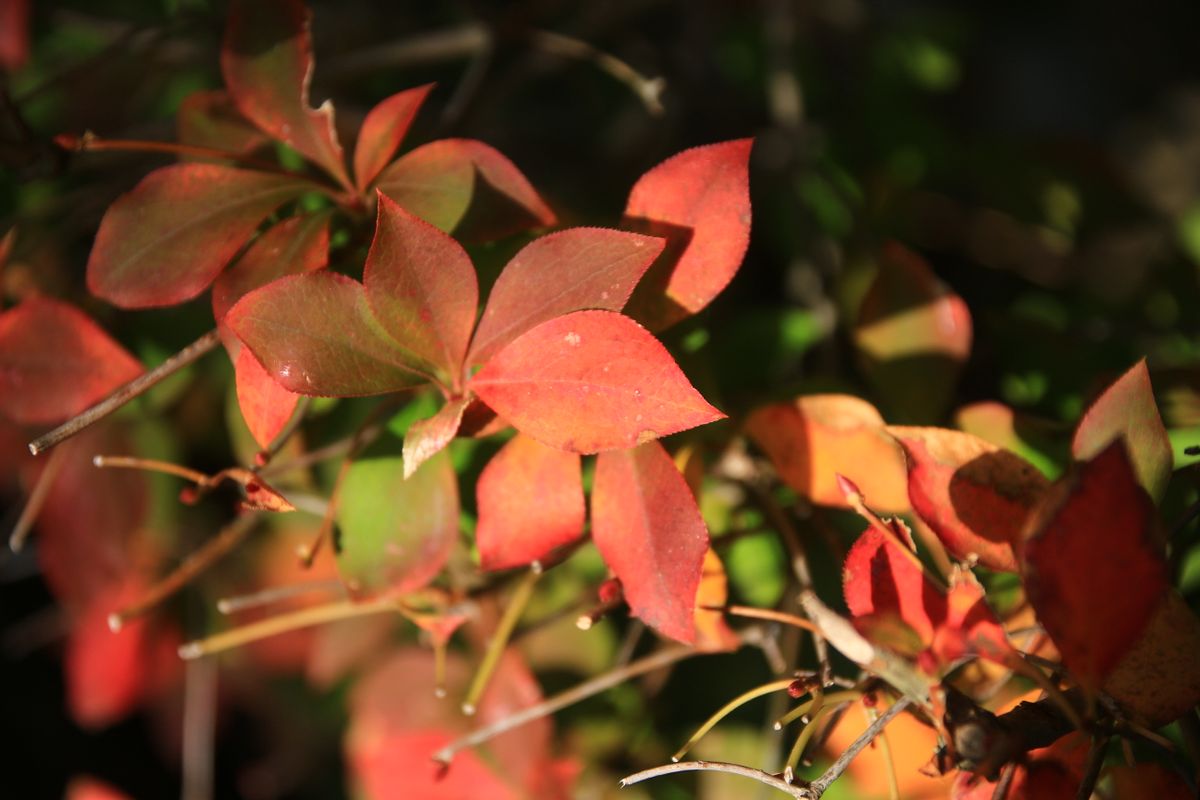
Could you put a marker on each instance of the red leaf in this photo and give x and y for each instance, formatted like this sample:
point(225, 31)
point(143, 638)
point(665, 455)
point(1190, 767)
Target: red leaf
point(421, 287)
point(1050, 773)
point(817, 437)
point(880, 580)
point(700, 198)
point(427, 437)
point(315, 335)
point(1127, 410)
point(591, 381)
point(296, 245)
point(208, 118)
point(165, 241)
point(382, 132)
point(440, 181)
point(92, 789)
point(912, 335)
point(398, 546)
point(1147, 781)
point(530, 501)
point(55, 362)
point(648, 529)
point(14, 34)
point(266, 406)
point(970, 625)
point(1094, 566)
point(571, 270)
point(266, 60)
point(974, 495)
point(104, 670)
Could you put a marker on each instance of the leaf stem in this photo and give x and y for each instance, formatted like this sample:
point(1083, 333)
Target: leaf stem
point(274, 594)
point(208, 554)
point(583, 691)
point(768, 614)
point(508, 622)
point(832, 699)
point(648, 90)
point(793, 759)
point(151, 465)
point(125, 393)
point(37, 499)
point(730, 707)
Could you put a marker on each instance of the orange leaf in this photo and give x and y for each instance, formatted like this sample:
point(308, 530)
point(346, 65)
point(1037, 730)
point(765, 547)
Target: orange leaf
point(711, 631)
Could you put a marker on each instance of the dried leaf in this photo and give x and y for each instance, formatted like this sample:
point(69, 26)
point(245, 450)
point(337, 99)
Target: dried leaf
point(591, 381)
point(382, 132)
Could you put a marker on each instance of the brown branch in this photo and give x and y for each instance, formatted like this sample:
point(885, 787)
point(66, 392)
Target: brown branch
point(648, 90)
point(125, 393)
point(1091, 769)
point(818, 787)
point(37, 499)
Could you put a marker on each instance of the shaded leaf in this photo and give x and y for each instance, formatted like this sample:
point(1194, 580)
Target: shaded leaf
point(208, 118)
point(1049, 773)
point(565, 271)
point(315, 335)
point(700, 199)
point(648, 529)
point(164, 241)
point(813, 439)
point(912, 335)
point(1127, 410)
point(1146, 781)
point(14, 34)
point(1094, 568)
point(421, 287)
point(266, 60)
point(427, 437)
point(591, 381)
point(440, 181)
point(972, 494)
point(296, 245)
point(396, 533)
point(382, 132)
point(55, 362)
point(1035, 440)
point(878, 579)
point(970, 626)
point(530, 501)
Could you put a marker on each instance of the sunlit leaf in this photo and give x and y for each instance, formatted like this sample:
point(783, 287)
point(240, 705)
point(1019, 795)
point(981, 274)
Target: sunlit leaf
point(395, 533)
point(266, 59)
point(648, 529)
point(165, 241)
point(440, 181)
point(1032, 439)
point(591, 381)
point(700, 201)
point(878, 579)
point(55, 362)
point(571, 270)
point(1127, 409)
point(425, 438)
point(530, 501)
point(315, 335)
point(712, 633)
point(1094, 568)
point(815, 438)
point(421, 288)
point(974, 495)
point(913, 335)
point(382, 132)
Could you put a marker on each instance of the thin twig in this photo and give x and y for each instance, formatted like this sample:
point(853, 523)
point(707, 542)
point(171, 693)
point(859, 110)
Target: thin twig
point(508, 622)
point(37, 498)
point(332, 450)
point(768, 614)
point(583, 691)
point(773, 781)
point(729, 708)
point(199, 729)
point(431, 47)
point(818, 787)
point(648, 90)
point(264, 456)
point(1005, 782)
point(208, 554)
point(124, 394)
point(274, 594)
point(1091, 769)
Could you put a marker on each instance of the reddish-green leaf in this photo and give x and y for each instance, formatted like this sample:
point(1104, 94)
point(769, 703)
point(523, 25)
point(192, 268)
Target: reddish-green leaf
point(815, 438)
point(591, 381)
point(166, 240)
point(421, 288)
point(396, 533)
point(315, 335)
point(1094, 566)
point(208, 118)
point(55, 362)
point(567, 271)
point(382, 132)
point(648, 529)
point(700, 200)
point(1127, 410)
point(297, 245)
point(267, 63)
point(972, 494)
point(441, 180)
point(266, 406)
point(427, 437)
point(1035, 440)
point(530, 501)
point(912, 335)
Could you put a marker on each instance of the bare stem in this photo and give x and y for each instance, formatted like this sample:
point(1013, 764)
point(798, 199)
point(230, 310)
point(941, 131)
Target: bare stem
point(331, 450)
point(818, 787)
point(832, 699)
point(127, 392)
point(151, 465)
point(583, 691)
point(263, 457)
point(508, 622)
point(1091, 769)
point(209, 553)
point(274, 594)
point(728, 708)
point(199, 728)
point(648, 90)
point(773, 781)
point(37, 499)
point(768, 614)
point(305, 618)
point(793, 759)
point(308, 552)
